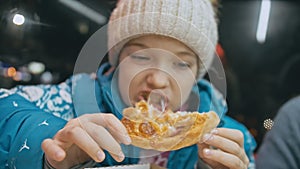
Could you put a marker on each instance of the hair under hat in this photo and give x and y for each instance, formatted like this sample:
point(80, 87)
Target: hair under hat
point(190, 21)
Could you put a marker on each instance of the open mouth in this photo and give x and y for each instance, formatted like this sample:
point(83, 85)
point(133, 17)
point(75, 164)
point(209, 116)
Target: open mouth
point(154, 98)
point(144, 96)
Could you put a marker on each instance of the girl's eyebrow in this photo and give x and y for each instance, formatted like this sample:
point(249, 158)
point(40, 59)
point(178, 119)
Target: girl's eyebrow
point(186, 53)
point(136, 44)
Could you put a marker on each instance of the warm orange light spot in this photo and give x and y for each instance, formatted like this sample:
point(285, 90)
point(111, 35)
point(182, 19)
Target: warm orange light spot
point(11, 72)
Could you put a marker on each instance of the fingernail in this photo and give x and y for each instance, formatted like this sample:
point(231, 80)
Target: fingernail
point(59, 154)
point(100, 155)
point(207, 151)
point(207, 137)
point(214, 131)
point(128, 139)
point(121, 155)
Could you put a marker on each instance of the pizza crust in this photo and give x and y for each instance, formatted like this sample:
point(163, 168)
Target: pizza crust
point(160, 139)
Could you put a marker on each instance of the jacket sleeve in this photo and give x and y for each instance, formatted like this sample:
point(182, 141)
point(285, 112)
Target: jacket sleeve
point(280, 147)
point(23, 127)
point(28, 115)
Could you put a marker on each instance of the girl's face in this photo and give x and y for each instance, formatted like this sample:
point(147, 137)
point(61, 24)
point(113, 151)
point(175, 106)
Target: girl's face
point(157, 63)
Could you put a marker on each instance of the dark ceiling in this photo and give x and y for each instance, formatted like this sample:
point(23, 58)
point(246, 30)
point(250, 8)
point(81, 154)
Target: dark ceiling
point(55, 32)
point(260, 77)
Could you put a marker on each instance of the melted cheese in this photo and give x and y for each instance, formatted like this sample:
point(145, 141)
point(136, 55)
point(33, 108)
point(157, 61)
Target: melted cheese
point(150, 122)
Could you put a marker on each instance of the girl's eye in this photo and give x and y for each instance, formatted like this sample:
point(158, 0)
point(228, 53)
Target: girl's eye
point(182, 65)
point(140, 59)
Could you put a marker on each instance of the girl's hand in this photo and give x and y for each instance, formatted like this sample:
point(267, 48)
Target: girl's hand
point(227, 152)
point(84, 138)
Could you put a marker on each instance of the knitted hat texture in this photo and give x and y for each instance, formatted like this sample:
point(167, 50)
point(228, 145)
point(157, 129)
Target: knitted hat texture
point(190, 21)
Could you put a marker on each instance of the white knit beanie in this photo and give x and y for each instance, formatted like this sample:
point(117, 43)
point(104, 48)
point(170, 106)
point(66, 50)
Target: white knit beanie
point(190, 21)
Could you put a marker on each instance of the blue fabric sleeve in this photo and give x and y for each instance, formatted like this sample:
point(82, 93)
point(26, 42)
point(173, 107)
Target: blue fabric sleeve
point(23, 127)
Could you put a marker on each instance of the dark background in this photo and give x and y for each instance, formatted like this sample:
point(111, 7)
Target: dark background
point(260, 77)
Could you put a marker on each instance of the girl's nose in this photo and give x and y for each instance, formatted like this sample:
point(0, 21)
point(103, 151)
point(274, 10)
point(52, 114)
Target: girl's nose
point(157, 79)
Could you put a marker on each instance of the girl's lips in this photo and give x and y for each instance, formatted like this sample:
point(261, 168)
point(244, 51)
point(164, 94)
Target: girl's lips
point(155, 98)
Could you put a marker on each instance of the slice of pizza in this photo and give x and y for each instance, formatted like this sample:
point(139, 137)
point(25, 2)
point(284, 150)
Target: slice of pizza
point(150, 128)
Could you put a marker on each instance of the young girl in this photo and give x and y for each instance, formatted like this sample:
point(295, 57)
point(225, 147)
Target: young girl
point(157, 45)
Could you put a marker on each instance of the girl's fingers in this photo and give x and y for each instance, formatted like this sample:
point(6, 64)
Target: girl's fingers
point(52, 150)
point(111, 123)
point(224, 158)
point(226, 145)
point(105, 140)
point(229, 141)
point(78, 136)
point(91, 133)
point(231, 134)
